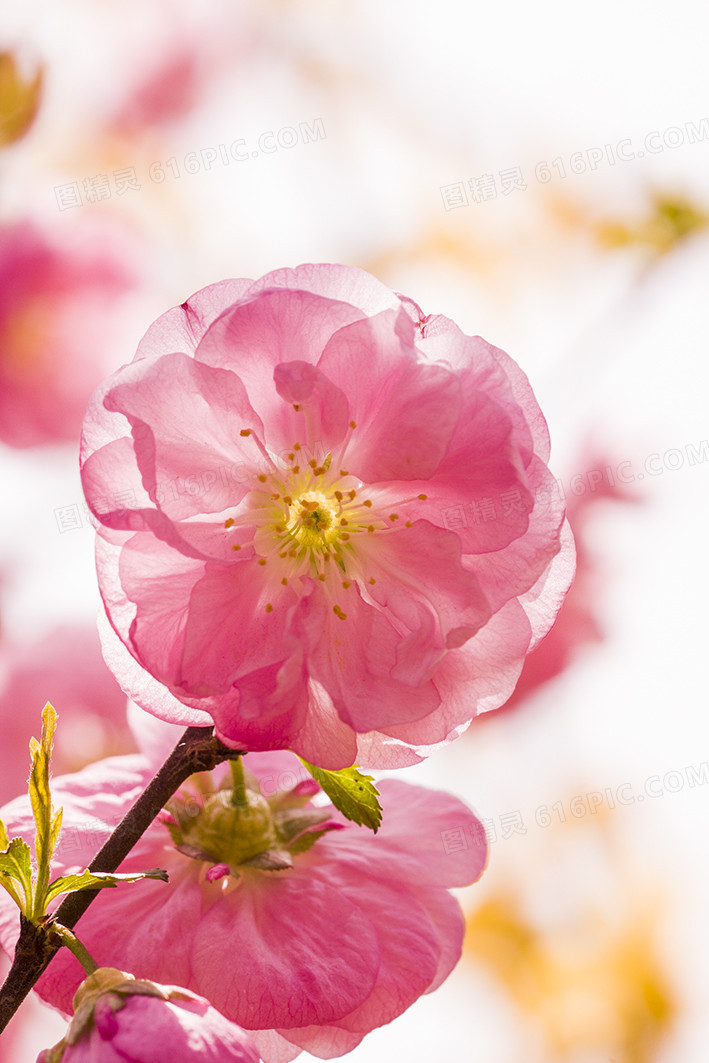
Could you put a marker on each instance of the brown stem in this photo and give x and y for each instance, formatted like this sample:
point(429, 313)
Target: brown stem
point(197, 750)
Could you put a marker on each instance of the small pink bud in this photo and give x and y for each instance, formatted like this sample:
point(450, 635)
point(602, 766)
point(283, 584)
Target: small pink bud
point(217, 872)
point(118, 1017)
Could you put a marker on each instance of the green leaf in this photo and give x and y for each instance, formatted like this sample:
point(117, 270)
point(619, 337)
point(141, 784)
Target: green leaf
point(16, 864)
point(46, 822)
point(96, 880)
point(352, 792)
point(4, 837)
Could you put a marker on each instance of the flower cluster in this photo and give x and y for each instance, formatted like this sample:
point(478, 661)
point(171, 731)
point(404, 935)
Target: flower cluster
point(326, 528)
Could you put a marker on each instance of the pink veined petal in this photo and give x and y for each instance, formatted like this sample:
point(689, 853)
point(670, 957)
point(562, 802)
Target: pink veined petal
point(404, 411)
point(137, 683)
point(257, 335)
point(353, 658)
point(492, 370)
point(542, 602)
point(152, 1030)
point(292, 981)
point(186, 420)
point(511, 572)
point(182, 327)
point(347, 284)
point(418, 573)
point(225, 603)
point(315, 398)
point(430, 837)
point(272, 1047)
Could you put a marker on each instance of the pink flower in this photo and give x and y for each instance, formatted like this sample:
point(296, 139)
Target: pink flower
point(336, 544)
point(54, 302)
point(66, 668)
point(577, 623)
point(118, 1018)
point(295, 923)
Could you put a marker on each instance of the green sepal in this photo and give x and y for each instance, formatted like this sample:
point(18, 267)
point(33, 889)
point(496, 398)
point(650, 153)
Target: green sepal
point(290, 822)
point(16, 864)
point(353, 793)
point(270, 860)
point(96, 880)
point(306, 841)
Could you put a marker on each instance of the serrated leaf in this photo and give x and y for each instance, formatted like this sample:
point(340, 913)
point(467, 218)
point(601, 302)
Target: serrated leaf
point(41, 799)
point(353, 793)
point(55, 828)
point(96, 880)
point(16, 864)
point(4, 837)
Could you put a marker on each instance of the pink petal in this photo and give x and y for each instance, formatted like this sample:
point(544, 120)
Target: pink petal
point(186, 421)
point(300, 971)
point(404, 411)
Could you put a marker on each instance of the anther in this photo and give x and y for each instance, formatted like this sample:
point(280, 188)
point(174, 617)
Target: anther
point(393, 516)
point(262, 561)
point(296, 407)
point(312, 463)
point(346, 584)
point(422, 497)
point(372, 579)
point(284, 581)
point(263, 478)
point(236, 547)
point(245, 432)
point(321, 577)
point(344, 472)
point(352, 495)
point(353, 424)
point(338, 612)
point(339, 495)
point(269, 608)
point(368, 503)
point(228, 523)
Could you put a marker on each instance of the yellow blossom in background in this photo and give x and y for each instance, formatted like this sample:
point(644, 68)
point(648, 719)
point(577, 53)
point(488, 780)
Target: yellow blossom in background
point(594, 984)
point(20, 98)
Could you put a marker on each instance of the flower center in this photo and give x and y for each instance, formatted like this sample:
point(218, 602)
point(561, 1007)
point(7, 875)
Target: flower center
point(308, 516)
point(237, 827)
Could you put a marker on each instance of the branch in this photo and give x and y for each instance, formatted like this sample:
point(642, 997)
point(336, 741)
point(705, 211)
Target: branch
point(197, 750)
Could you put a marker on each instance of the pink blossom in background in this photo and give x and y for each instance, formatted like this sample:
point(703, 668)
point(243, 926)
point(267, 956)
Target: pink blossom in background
point(346, 936)
point(121, 1020)
point(66, 668)
point(56, 303)
point(335, 545)
point(577, 623)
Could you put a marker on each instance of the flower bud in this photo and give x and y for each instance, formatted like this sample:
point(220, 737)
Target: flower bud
point(119, 1017)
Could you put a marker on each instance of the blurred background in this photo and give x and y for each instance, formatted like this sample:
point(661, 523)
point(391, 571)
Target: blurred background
point(538, 173)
